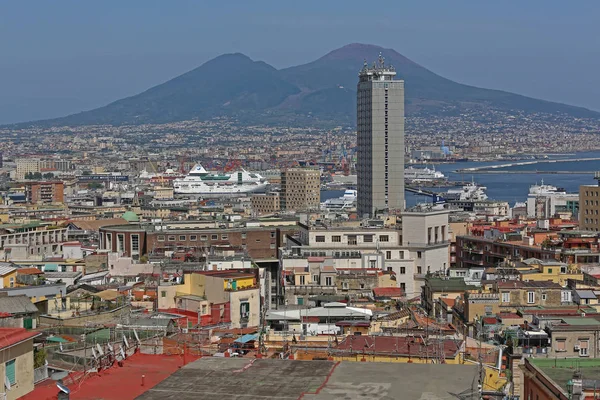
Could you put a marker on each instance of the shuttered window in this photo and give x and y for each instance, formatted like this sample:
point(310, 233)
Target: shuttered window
point(10, 372)
point(561, 345)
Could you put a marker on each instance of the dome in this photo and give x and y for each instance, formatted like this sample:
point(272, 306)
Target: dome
point(130, 216)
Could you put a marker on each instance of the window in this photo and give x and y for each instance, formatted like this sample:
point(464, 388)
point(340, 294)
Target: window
point(403, 287)
point(224, 237)
point(402, 270)
point(163, 293)
point(244, 235)
point(193, 238)
point(402, 255)
point(320, 239)
point(561, 345)
point(10, 372)
point(161, 238)
point(345, 285)
point(388, 254)
point(171, 238)
point(328, 281)
point(182, 238)
point(384, 238)
point(372, 264)
point(419, 270)
point(352, 240)
point(583, 348)
point(302, 280)
point(203, 309)
point(203, 237)
point(214, 237)
point(336, 239)
point(135, 243)
point(488, 310)
point(530, 297)
point(368, 238)
point(316, 279)
point(245, 310)
point(544, 296)
point(272, 235)
point(506, 297)
point(419, 254)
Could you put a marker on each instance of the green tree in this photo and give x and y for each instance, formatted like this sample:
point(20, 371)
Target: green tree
point(48, 175)
point(39, 358)
point(95, 185)
point(86, 173)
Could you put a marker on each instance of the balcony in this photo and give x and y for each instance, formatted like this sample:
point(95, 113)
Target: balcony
point(441, 243)
point(310, 289)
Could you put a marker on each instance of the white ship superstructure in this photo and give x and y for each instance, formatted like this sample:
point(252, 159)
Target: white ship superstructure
point(422, 174)
point(204, 184)
point(470, 192)
point(346, 202)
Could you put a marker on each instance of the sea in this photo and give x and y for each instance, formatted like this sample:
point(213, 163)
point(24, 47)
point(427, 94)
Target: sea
point(512, 187)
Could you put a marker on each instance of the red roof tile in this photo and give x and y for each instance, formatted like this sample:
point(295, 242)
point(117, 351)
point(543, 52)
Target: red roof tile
point(11, 336)
point(387, 292)
point(29, 271)
point(392, 345)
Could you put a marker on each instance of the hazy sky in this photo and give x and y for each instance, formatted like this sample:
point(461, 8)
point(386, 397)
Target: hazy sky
point(60, 57)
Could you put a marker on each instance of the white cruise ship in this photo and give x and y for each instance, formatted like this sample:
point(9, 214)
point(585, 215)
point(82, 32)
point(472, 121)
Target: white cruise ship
point(422, 174)
point(199, 182)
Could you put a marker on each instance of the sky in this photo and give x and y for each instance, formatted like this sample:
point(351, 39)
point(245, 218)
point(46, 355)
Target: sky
point(62, 57)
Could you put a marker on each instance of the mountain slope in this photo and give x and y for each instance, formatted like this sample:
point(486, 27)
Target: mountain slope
point(226, 84)
point(324, 90)
point(426, 92)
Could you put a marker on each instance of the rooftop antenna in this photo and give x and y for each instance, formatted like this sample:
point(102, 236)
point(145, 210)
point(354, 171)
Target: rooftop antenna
point(381, 61)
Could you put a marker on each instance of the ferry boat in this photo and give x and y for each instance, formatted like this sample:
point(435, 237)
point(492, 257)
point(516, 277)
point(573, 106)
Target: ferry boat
point(422, 174)
point(545, 189)
point(205, 184)
point(470, 192)
point(347, 201)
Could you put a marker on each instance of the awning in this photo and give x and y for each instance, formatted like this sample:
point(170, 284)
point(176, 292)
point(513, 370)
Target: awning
point(246, 338)
point(56, 339)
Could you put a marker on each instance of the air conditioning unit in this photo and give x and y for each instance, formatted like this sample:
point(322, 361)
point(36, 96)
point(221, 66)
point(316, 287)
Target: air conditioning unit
point(184, 330)
point(576, 347)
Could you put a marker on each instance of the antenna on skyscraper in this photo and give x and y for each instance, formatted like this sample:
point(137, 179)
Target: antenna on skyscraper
point(381, 60)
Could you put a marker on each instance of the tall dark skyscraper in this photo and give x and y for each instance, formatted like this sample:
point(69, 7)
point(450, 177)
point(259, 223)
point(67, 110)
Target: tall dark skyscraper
point(380, 126)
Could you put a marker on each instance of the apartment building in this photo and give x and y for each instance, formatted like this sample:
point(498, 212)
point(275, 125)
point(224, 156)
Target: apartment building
point(25, 166)
point(267, 203)
point(300, 189)
point(44, 192)
point(31, 241)
point(589, 206)
point(409, 249)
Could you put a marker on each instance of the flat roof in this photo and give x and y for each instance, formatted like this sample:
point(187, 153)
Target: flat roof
point(561, 370)
point(212, 378)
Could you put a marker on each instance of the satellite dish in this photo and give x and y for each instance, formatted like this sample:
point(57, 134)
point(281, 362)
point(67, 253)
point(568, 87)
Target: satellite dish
point(123, 354)
point(63, 388)
point(94, 353)
point(136, 336)
point(99, 349)
point(110, 348)
point(60, 345)
point(125, 342)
